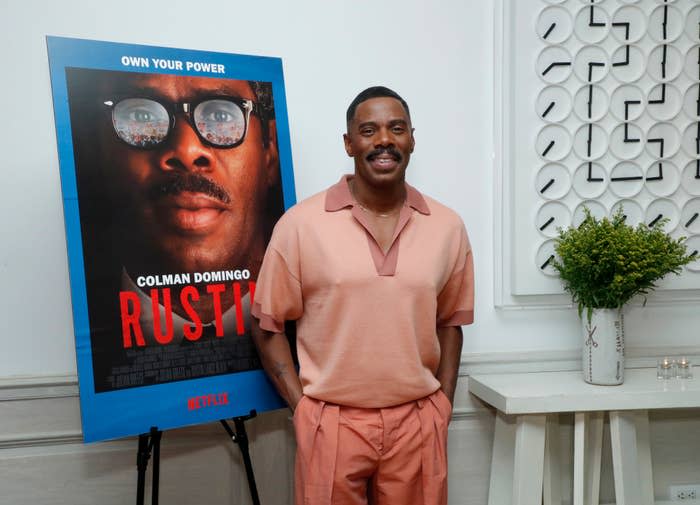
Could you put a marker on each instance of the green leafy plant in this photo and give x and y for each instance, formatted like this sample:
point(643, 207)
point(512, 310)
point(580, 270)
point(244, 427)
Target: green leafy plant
point(605, 262)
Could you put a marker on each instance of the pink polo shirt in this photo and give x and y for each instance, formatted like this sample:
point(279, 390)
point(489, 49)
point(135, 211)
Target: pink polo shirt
point(366, 321)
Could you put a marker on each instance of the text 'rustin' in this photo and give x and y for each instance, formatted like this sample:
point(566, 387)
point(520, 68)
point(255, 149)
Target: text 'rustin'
point(130, 309)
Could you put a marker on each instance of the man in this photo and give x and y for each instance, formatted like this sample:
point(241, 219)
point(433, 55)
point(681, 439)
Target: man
point(379, 280)
point(179, 187)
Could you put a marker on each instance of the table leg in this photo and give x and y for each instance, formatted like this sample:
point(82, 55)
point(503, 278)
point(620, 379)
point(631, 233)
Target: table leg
point(588, 444)
point(646, 477)
point(517, 460)
point(529, 460)
point(551, 486)
point(501, 480)
point(629, 436)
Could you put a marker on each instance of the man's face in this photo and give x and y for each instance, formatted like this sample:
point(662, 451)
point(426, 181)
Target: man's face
point(186, 205)
point(380, 138)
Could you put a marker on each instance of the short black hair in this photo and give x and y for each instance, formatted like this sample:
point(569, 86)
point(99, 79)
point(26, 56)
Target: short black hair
point(374, 92)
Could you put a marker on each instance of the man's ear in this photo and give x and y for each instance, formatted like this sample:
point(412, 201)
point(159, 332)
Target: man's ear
point(272, 157)
point(348, 145)
point(413, 140)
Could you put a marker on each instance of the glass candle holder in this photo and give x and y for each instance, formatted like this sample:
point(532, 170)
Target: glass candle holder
point(684, 369)
point(665, 368)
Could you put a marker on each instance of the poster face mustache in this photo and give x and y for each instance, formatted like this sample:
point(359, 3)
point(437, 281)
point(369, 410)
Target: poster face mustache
point(192, 183)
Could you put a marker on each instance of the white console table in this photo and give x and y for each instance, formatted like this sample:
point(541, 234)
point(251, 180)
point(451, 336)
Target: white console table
point(525, 466)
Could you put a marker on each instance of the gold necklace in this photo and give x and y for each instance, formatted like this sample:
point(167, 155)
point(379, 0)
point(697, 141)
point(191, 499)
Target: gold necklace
point(351, 186)
point(378, 214)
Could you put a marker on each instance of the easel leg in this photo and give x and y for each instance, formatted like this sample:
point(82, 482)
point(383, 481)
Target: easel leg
point(155, 477)
point(240, 438)
point(141, 464)
point(147, 442)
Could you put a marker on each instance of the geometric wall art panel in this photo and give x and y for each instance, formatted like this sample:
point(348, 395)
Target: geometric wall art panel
point(600, 109)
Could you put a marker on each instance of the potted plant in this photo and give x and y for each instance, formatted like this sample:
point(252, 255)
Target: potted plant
point(603, 264)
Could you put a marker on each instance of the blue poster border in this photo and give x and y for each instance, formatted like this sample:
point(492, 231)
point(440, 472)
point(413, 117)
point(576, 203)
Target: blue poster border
point(126, 412)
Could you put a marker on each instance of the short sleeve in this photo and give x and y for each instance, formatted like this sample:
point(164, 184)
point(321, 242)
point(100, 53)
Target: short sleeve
point(456, 299)
point(278, 288)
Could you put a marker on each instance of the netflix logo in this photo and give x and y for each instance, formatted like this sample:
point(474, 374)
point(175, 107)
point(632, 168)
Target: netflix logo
point(213, 400)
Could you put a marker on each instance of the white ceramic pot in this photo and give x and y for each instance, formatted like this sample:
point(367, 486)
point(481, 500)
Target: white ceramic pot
point(604, 347)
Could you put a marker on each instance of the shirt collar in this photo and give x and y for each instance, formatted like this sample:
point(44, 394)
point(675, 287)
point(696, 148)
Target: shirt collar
point(339, 197)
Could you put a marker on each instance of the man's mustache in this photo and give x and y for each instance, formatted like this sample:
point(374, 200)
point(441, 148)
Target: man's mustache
point(384, 150)
point(189, 182)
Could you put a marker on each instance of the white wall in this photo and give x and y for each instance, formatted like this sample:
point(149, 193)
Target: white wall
point(438, 55)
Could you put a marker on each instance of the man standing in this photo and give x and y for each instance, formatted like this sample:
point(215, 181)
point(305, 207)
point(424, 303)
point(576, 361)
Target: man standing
point(179, 187)
point(379, 280)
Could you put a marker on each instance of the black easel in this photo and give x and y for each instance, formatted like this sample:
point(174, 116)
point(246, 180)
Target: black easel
point(240, 437)
point(147, 442)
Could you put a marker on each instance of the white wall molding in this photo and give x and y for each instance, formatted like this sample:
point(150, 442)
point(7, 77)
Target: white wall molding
point(52, 386)
point(40, 439)
point(566, 359)
point(58, 386)
point(29, 394)
point(38, 386)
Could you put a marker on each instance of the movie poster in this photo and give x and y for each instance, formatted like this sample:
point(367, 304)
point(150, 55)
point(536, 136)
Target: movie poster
point(175, 166)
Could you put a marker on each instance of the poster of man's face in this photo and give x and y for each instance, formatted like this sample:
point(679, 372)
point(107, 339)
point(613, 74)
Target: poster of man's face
point(175, 166)
point(179, 188)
